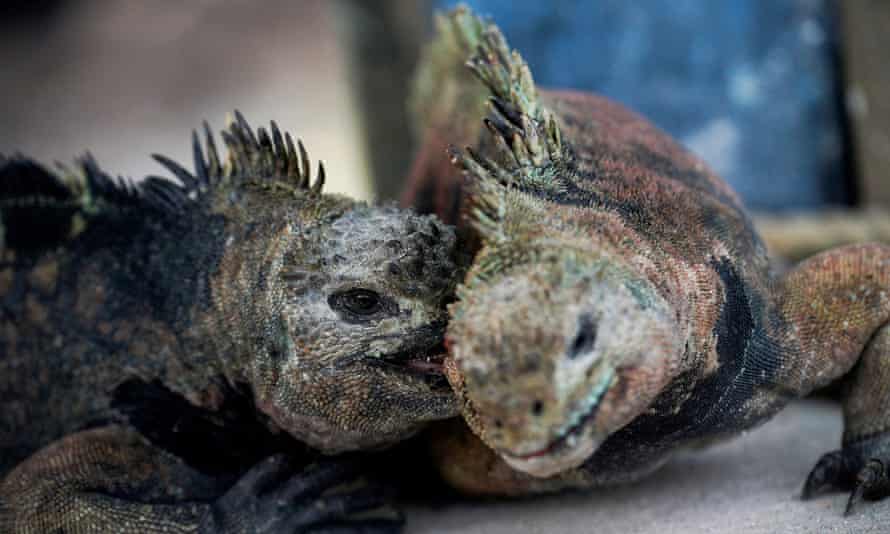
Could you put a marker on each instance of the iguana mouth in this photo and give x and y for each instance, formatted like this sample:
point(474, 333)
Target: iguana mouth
point(572, 444)
point(424, 363)
point(428, 364)
point(565, 440)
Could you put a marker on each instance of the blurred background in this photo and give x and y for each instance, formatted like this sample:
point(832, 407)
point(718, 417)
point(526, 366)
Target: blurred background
point(125, 78)
point(784, 98)
point(787, 99)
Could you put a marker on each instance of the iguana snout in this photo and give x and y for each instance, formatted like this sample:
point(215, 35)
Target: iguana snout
point(544, 357)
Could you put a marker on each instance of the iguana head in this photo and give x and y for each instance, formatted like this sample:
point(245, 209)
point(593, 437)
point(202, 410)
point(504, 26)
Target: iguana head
point(331, 311)
point(558, 338)
point(360, 313)
point(556, 344)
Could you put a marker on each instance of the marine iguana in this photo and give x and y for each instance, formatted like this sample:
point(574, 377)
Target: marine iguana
point(621, 306)
point(159, 338)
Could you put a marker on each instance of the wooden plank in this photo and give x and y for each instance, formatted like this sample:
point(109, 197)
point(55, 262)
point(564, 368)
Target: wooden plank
point(791, 237)
point(866, 49)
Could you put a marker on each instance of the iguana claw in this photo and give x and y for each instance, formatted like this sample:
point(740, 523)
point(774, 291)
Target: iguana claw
point(871, 481)
point(856, 468)
point(273, 498)
point(825, 475)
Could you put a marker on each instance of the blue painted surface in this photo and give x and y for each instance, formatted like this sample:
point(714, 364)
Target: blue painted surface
point(746, 84)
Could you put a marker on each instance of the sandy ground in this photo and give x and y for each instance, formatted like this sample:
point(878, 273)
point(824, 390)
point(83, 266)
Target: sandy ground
point(749, 485)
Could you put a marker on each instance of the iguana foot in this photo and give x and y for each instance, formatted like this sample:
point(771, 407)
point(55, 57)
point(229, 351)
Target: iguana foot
point(861, 468)
point(274, 498)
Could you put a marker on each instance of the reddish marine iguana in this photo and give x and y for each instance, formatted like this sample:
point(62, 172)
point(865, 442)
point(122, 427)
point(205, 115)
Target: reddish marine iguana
point(159, 339)
point(622, 306)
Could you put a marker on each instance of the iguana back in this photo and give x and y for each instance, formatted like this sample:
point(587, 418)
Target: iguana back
point(95, 290)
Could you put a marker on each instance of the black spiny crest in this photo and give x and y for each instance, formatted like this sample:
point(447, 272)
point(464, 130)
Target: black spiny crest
point(525, 143)
point(269, 156)
point(26, 184)
point(39, 207)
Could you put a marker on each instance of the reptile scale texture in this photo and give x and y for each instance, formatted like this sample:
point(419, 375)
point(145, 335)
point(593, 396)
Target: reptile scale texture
point(175, 354)
point(620, 305)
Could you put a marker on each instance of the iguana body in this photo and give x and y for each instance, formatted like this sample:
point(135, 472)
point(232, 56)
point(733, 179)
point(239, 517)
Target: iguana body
point(621, 306)
point(159, 339)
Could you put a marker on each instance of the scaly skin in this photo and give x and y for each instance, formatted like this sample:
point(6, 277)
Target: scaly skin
point(159, 339)
point(621, 305)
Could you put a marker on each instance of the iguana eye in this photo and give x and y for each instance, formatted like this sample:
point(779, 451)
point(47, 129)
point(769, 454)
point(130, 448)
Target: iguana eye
point(357, 301)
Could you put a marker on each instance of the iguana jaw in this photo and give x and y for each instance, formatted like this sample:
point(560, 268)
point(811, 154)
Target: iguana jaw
point(404, 385)
point(408, 386)
point(577, 442)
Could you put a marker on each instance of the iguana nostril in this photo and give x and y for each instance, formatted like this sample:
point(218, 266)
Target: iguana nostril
point(537, 407)
point(585, 338)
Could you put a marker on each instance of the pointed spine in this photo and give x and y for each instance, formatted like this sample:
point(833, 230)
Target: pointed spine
point(527, 148)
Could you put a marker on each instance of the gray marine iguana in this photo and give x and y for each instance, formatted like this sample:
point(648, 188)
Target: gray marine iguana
point(166, 348)
point(621, 306)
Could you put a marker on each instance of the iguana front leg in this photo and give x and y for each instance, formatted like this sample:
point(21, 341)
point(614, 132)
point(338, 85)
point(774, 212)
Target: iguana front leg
point(111, 479)
point(838, 308)
point(863, 462)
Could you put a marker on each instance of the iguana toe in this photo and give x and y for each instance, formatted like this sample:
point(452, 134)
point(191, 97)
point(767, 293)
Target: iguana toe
point(826, 475)
point(860, 468)
point(273, 497)
point(872, 482)
point(332, 513)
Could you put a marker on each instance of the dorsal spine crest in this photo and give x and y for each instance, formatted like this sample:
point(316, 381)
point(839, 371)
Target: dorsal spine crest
point(525, 147)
